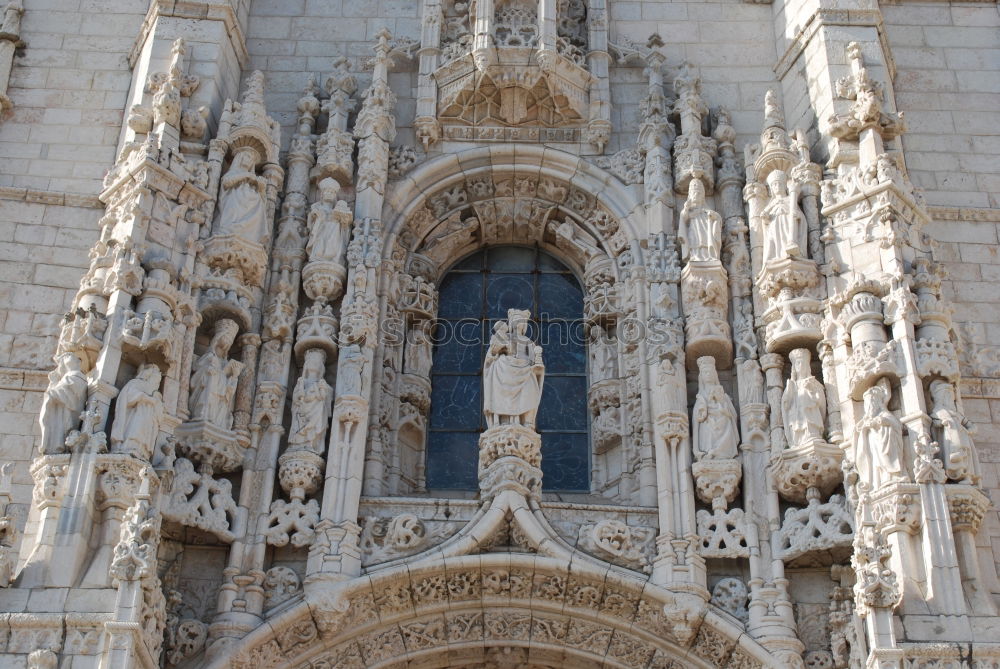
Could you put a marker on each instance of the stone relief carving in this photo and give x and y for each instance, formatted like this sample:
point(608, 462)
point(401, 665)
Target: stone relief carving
point(384, 539)
point(627, 545)
point(731, 595)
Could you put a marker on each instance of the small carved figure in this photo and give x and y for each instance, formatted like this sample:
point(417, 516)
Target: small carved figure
point(241, 208)
point(64, 401)
point(714, 433)
point(213, 383)
point(311, 404)
point(953, 433)
point(138, 411)
point(700, 228)
point(418, 351)
point(879, 458)
point(786, 231)
point(671, 394)
point(574, 240)
point(512, 373)
point(329, 227)
point(351, 371)
point(803, 404)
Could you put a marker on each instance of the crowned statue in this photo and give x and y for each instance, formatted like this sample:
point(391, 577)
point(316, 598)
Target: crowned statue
point(242, 211)
point(714, 435)
point(512, 374)
point(786, 231)
point(803, 404)
point(700, 228)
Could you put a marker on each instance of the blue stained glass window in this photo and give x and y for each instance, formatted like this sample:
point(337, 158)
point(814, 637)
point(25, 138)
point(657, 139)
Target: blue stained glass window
point(473, 295)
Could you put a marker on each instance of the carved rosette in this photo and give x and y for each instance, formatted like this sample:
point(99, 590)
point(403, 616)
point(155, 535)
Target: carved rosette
point(510, 457)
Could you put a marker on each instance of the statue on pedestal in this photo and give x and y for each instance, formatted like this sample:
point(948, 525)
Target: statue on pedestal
point(714, 433)
point(785, 229)
point(512, 373)
point(138, 411)
point(951, 431)
point(311, 405)
point(700, 228)
point(803, 404)
point(879, 457)
point(329, 225)
point(213, 383)
point(241, 206)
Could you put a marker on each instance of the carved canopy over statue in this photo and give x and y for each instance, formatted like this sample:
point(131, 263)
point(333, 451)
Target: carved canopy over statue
point(213, 383)
point(512, 373)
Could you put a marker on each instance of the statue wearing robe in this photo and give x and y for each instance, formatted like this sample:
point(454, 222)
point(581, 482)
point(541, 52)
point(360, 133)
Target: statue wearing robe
point(138, 411)
point(714, 433)
point(786, 231)
point(242, 211)
point(952, 433)
point(879, 458)
point(311, 405)
point(65, 399)
point(512, 374)
point(213, 383)
point(329, 225)
point(803, 404)
point(700, 228)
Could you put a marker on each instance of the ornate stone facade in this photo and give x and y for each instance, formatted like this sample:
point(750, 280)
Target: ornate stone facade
point(230, 464)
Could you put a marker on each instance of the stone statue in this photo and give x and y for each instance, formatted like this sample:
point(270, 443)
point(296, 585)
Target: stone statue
point(879, 458)
point(329, 227)
point(351, 371)
point(803, 404)
point(311, 405)
point(700, 228)
point(952, 433)
point(785, 229)
point(241, 207)
point(64, 401)
point(573, 240)
point(714, 433)
point(512, 373)
point(213, 383)
point(671, 393)
point(418, 350)
point(138, 412)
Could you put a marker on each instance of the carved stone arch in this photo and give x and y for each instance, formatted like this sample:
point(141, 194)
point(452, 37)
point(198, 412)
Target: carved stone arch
point(451, 612)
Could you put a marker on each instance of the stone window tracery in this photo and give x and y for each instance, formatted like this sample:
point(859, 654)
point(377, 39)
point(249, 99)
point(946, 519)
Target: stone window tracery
point(473, 295)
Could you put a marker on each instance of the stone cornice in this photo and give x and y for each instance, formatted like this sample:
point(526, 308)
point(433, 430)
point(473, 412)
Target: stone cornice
point(50, 197)
point(189, 9)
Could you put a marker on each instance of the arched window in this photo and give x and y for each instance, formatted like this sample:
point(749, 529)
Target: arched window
point(473, 295)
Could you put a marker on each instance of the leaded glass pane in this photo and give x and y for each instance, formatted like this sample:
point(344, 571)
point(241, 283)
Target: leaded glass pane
point(476, 293)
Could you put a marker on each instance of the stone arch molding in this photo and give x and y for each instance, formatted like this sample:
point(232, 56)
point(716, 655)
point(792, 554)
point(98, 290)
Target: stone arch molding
point(534, 185)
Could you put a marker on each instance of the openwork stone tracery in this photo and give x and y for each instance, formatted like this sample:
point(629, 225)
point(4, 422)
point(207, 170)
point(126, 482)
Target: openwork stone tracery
point(245, 379)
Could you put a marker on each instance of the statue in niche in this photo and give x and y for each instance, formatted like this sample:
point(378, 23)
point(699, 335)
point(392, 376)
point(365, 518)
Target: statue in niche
point(138, 411)
point(272, 366)
point(671, 381)
point(573, 240)
point(242, 211)
point(64, 401)
point(512, 373)
point(699, 228)
point(310, 404)
point(785, 229)
point(351, 371)
point(803, 404)
point(418, 350)
point(879, 458)
point(661, 299)
point(605, 356)
point(714, 432)
point(751, 382)
point(329, 224)
point(213, 383)
point(952, 431)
